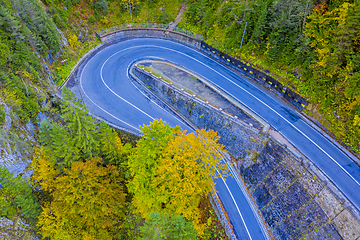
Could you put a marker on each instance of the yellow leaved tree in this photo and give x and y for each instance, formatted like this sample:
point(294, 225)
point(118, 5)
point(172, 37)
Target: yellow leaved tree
point(87, 200)
point(173, 170)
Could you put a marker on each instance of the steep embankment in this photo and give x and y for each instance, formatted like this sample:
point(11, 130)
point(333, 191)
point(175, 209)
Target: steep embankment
point(27, 36)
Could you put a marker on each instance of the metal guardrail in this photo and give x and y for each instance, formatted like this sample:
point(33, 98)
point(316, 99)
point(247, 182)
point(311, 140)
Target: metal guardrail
point(292, 97)
point(148, 25)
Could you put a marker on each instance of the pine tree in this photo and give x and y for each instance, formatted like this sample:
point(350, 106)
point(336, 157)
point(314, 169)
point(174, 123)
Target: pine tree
point(80, 125)
point(16, 197)
point(111, 148)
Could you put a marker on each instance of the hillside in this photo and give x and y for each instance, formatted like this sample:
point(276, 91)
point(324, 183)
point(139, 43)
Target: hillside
point(310, 46)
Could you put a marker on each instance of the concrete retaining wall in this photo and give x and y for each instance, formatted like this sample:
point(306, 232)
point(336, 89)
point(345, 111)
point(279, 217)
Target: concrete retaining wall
point(152, 32)
point(294, 198)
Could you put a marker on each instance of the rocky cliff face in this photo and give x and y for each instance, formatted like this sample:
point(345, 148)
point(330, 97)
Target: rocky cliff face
point(295, 200)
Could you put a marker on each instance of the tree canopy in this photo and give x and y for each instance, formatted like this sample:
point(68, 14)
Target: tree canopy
point(171, 170)
point(87, 201)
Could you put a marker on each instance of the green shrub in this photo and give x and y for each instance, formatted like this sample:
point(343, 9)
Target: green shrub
point(17, 197)
point(76, 13)
point(58, 21)
point(91, 19)
point(164, 17)
point(2, 116)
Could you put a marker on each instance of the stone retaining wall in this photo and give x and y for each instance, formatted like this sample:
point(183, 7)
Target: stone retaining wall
point(295, 201)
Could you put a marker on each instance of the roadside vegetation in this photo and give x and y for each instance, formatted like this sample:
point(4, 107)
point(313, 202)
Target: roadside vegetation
point(90, 182)
point(87, 183)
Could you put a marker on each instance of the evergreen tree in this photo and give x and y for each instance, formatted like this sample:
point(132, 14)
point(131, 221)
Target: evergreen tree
point(80, 125)
point(73, 140)
point(111, 148)
point(16, 197)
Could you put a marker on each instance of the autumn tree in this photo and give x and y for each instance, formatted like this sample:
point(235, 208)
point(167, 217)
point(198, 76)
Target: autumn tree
point(87, 201)
point(172, 170)
point(144, 163)
point(333, 75)
point(82, 199)
point(187, 171)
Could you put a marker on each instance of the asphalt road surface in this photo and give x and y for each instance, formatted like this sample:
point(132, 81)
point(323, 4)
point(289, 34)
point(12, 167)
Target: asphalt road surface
point(107, 91)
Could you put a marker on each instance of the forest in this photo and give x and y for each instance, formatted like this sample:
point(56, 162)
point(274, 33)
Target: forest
point(91, 182)
point(311, 46)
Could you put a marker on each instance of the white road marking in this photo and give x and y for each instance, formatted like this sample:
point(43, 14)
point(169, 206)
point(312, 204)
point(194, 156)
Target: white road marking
point(233, 199)
point(230, 95)
point(101, 107)
point(246, 194)
point(102, 79)
point(237, 208)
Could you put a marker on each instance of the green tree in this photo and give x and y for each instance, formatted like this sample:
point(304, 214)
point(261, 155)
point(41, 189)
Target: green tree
point(166, 227)
point(112, 150)
point(80, 125)
point(144, 164)
point(2, 116)
point(16, 197)
point(5, 52)
point(73, 140)
point(173, 170)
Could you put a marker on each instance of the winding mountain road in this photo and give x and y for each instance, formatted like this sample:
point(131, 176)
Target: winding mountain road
point(107, 91)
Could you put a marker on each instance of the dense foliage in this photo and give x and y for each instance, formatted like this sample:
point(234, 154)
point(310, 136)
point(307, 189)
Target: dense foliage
point(166, 227)
point(27, 34)
point(309, 44)
point(171, 170)
point(17, 197)
point(87, 183)
point(88, 179)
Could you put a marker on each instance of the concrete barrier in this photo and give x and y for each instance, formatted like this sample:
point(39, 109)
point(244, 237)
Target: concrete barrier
point(151, 32)
point(256, 75)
